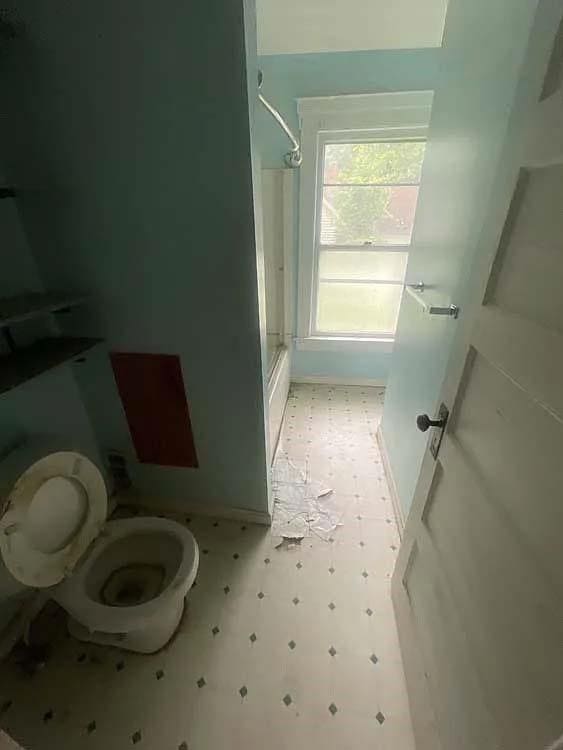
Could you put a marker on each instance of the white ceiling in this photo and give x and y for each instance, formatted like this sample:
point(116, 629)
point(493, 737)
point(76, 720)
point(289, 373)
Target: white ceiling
point(293, 26)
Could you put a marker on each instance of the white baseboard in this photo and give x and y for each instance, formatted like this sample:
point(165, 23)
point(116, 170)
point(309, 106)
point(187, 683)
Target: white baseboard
point(184, 508)
point(397, 510)
point(329, 380)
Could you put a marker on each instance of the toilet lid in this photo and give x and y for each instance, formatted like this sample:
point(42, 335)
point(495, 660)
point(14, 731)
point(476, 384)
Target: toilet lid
point(55, 511)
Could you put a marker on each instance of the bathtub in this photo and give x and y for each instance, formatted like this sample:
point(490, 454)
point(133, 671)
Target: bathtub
point(277, 207)
point(278, 390)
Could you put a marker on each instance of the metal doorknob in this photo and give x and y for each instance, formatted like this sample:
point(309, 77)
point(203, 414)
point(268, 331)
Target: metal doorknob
point(423, 422)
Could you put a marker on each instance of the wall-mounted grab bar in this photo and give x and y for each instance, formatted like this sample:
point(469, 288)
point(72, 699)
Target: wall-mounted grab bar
point(294, 157)
point(416, 290)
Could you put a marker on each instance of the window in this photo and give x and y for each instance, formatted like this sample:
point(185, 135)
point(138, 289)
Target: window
point(359, 189)
point(366, 203)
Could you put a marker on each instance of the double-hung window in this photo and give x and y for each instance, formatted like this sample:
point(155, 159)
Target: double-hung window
point(365, 203)
point(357, 227)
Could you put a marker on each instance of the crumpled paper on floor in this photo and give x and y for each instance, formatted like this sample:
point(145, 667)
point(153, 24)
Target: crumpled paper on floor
point(303, 507)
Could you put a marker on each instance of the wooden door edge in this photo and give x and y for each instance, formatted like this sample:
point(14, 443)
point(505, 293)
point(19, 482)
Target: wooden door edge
point(421, 710)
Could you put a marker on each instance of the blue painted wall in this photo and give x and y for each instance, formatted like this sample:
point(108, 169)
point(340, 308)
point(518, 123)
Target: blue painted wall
point(484, 46)
point(288, 77)
point(131, 151)
point(50, 405)
point(342, 365)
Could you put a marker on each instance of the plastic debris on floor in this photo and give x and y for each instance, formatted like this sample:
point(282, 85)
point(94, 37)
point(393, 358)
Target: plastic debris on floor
point(303, 507)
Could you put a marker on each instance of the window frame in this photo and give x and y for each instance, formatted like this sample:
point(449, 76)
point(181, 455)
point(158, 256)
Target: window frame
point(324, 139)
point(399, 116)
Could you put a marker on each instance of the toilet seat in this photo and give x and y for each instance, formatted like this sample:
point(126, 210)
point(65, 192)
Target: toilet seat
point(54, 512)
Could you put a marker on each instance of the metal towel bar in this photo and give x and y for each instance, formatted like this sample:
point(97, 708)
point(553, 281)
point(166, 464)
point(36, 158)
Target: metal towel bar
point(416, 290)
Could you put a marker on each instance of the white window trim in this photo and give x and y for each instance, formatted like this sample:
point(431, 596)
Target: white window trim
point(389, 116)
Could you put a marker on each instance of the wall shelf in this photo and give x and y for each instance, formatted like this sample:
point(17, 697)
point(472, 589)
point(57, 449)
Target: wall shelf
point(36, 304)
point(7, 192)
point(28, 362)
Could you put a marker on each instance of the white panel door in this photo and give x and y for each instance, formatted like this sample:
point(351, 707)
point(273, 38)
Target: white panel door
point(478, 587)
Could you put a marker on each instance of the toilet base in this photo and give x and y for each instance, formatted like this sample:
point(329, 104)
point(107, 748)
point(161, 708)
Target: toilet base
point(145, 640)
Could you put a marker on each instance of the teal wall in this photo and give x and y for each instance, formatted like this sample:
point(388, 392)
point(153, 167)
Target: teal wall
point(484, 46)
point(288, 77)
point(342, 365)
point(50, 405)
point(131, 155)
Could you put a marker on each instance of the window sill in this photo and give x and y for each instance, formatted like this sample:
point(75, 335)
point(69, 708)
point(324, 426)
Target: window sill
point(344, 344)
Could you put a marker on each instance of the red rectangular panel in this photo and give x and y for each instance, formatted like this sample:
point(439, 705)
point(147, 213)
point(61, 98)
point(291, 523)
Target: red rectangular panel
point(152, 392)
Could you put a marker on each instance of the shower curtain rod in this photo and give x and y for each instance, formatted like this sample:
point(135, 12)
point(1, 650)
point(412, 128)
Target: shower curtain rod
point(294, 157)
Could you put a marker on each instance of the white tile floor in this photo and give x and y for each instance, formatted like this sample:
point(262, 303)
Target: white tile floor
point(280, 648)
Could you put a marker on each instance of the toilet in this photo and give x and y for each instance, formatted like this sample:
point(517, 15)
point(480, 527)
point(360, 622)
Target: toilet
point(122, 582)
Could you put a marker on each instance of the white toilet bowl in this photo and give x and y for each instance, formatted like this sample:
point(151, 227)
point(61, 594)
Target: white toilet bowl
point(131, 587)
point(122, 582)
